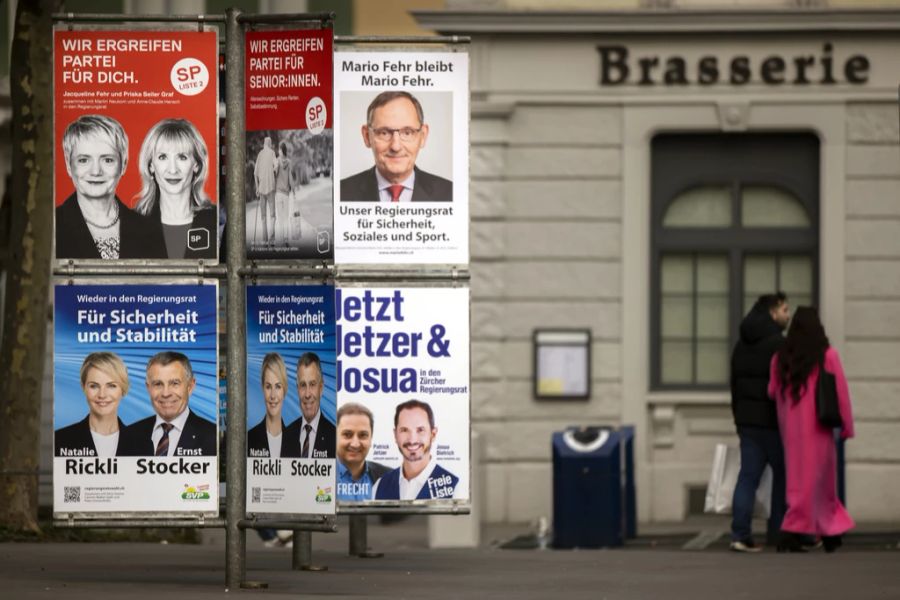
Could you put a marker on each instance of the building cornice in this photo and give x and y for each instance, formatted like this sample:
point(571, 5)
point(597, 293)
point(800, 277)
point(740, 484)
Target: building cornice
point(658, 21)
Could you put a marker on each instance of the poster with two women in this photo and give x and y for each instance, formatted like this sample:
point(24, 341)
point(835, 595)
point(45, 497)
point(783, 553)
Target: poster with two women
point(136, 143)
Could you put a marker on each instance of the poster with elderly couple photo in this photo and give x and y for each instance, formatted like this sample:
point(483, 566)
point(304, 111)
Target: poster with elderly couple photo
point(290, 141)
point(290, 399)
point(135, 394)
point(136, 144)
point(401, 157)
point(403, 395)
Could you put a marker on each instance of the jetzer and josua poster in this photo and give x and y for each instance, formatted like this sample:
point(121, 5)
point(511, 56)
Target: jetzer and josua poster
point(135, 399)
point(290, 399)
point(401, 157)
point(403, 395)
point(290, 140)
point(136, 144)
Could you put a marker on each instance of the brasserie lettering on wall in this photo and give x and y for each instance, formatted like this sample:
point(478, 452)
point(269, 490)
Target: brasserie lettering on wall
point(620, 65)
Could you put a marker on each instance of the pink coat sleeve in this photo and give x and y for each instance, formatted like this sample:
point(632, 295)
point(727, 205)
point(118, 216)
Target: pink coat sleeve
point(773, 376)
point(833, 365)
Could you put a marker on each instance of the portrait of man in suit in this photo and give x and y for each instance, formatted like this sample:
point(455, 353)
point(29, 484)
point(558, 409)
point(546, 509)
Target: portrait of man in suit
point(419, 477)
point(174, 430)
point(395, 131)
point(356, 476)
point(311, 435)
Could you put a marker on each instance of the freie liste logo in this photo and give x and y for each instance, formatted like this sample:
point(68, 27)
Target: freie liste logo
point(323, 495)
point(201, 492)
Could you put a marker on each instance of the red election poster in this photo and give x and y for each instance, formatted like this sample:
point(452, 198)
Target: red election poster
point(290, 143)
point(136, 144)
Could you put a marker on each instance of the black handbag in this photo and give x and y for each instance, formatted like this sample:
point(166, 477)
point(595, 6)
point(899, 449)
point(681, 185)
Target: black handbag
point(827, 410)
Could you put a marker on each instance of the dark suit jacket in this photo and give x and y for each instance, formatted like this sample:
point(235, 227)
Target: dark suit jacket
point(138, 239)
point(325, 444)
point(77, 437)
point(363, 187)
point(258, 441)
point(208, 219)
point(198, 438)
point(376, 470)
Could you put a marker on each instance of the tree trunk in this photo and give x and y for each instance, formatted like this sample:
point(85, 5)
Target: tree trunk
point(31, 230)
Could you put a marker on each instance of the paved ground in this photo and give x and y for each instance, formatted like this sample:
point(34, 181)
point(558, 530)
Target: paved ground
point(654, 566)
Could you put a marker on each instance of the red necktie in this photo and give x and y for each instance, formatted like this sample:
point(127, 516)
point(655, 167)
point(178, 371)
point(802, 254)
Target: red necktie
point(162, 447)
point(396, 190)
point(305, 450)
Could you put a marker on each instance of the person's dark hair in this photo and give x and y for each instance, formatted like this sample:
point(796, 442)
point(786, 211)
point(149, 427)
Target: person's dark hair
point(803, 349)
point(353, 408)
point(283, 149)
point(411, 404)
point(769, 301)
point(309, 358)
point(168, 357)
point(385, 97)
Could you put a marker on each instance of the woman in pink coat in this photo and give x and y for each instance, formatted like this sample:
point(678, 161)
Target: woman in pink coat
point(810, 455)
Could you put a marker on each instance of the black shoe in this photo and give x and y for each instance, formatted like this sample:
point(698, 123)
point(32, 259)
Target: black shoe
point(831, 542)
point(790, 542)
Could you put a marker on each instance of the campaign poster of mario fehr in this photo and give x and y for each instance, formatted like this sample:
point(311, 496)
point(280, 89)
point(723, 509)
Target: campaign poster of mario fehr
point(136, 143)
point(403, 395)
point(289, 143)
point(135, 399)
point(401, 157)
point(290, 399)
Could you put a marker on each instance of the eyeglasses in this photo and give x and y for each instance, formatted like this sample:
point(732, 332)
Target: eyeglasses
point(386, 134)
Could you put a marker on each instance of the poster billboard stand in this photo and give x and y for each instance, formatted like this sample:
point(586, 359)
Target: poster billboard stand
point(234, 270)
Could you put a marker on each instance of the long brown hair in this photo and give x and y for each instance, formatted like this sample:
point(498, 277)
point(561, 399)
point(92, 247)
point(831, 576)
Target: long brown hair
point(802, 351)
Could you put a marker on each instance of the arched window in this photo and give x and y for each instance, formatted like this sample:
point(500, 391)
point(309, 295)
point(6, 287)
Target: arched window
point(734, 217)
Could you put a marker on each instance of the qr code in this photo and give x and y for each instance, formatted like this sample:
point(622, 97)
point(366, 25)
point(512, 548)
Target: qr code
point(256, 495)
point(72, 494)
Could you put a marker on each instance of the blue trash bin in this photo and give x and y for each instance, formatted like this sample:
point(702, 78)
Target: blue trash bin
point(593, 487)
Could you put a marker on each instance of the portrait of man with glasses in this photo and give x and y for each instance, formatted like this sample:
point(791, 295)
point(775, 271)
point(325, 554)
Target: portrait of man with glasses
point(395, 131)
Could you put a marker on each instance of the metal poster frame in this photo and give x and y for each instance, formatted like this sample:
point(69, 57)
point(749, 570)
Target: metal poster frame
point(233, 269)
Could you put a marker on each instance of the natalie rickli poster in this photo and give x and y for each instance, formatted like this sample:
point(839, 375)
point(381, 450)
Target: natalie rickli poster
point(401, 157)
point(135, 399)
point(136, 144)
point(290, 143)
point(290, 399)
point(403, 395)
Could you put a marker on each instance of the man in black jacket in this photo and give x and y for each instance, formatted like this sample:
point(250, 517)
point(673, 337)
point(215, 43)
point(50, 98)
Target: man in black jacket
point(755, 417)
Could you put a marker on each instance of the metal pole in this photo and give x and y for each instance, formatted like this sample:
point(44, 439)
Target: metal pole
point(235, 536)
point(358, 535)
point(302, 552)
point(359, 538)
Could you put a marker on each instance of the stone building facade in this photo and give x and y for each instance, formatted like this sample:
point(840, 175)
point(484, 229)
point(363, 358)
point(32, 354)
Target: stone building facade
point(594, 196)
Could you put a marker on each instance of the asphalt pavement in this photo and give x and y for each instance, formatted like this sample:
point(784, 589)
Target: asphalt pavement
point(675, 561)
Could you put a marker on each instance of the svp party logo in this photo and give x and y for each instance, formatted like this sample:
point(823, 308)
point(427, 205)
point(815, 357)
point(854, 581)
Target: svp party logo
point(323, 495)
point(201, 492)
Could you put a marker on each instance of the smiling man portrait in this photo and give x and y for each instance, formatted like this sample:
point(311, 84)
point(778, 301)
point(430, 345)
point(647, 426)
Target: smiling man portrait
point(395, 131)
point(174, 430)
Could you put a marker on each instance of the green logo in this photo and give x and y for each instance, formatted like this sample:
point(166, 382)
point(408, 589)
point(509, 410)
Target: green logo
point(323, 495)
point(201, 492)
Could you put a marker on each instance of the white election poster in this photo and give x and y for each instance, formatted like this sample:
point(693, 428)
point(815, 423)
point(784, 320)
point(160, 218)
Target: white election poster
point(290, 399)
point(401, 153)
point(135, 393)
point(403, 395)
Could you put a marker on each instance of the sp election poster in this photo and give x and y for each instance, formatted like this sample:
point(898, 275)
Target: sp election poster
point(288, 96)
point(401, 157)
point(135, 399)
point(136, 143)
point(403, 395)
point(290, 399)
